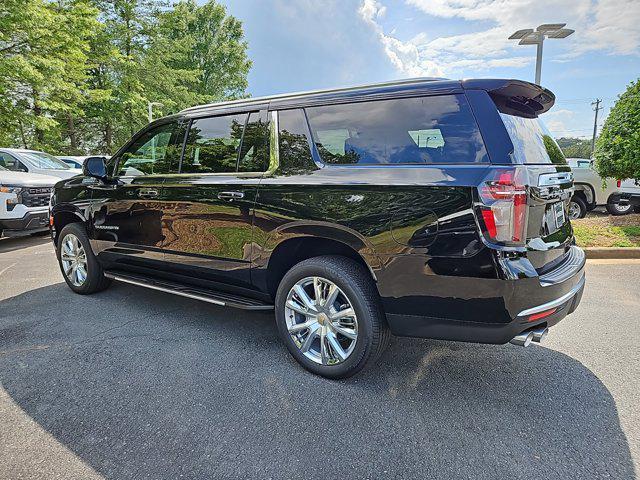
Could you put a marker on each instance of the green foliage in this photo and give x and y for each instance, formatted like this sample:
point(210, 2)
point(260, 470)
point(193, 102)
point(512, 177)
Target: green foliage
point(43, 58)
point(575, 147)
point(76, 76)
point(554, 152)
point(617, 152)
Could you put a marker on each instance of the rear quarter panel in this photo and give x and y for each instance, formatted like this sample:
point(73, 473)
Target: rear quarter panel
point(410, 224)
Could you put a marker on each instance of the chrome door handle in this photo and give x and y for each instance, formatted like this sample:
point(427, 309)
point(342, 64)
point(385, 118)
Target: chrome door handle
point(148, 193)
point(231, 196)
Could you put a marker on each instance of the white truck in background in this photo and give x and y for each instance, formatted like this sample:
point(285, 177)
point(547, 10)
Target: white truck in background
point(619, 197)
point(24, 202)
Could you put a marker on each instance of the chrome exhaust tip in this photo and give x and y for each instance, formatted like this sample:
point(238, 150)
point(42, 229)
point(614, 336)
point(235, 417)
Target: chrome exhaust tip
point(523, 340)
point(539, 334)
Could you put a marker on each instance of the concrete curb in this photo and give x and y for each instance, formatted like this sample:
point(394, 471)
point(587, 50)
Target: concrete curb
point(612, 252)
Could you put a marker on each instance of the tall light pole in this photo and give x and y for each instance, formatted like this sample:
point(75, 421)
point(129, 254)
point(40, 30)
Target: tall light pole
point(150, 106)
point(596, 107)
point(528, 36)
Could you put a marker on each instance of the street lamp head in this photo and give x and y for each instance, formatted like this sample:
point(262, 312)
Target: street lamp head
point(550, 27)
point(520, 34)
point(533, 38)
point(562, 33)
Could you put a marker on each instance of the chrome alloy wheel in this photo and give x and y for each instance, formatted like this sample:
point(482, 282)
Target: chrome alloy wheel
point(574, 211)
point(321, 320)
point(74, 259)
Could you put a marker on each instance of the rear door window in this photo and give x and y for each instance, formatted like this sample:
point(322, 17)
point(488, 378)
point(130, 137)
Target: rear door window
point(532, 142)
point(425, 130)
point(294, 142)
point(213, 144)
point(254, 152)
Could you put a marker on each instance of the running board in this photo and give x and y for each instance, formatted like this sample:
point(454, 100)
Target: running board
point(217, 298)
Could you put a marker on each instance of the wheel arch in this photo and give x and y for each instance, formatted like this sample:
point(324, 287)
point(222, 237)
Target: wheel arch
point(63, 217)
point(293, 250)
point(586, 191)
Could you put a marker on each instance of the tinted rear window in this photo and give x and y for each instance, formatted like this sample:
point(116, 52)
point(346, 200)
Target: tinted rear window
point(532, 142)
point(429, 130)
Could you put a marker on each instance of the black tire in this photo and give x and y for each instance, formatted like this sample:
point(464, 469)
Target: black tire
point(356, 283)
point(636, 209)
point(580, 204)
point(614, 209)
point(95, 280)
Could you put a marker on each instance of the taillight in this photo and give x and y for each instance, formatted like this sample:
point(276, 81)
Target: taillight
point(619, 183)
point(504, 206)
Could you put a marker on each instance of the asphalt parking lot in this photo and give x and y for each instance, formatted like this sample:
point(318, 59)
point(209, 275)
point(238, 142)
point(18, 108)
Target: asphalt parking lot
point(132, 383)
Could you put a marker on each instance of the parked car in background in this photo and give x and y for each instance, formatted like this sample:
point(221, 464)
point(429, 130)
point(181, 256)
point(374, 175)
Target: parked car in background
point(24, 202)
point(617, 196)
point(424, 208)
point(74, 161)
point(33, 161)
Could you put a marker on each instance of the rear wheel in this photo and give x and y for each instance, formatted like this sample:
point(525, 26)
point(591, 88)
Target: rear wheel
point(329, 315)
point(577, 208)
point(619, 209)
point(78, 264)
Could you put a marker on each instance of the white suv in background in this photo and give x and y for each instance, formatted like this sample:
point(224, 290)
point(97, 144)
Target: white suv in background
point(33, 161)
point(24, 202)
point(618, 196)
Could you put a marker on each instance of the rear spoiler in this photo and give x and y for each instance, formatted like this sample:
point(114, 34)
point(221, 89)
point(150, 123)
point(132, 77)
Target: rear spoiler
point(515, 97)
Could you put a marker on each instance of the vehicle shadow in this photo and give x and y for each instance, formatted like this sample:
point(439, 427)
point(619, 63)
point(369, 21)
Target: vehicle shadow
point(139, 384)
point(9, 244)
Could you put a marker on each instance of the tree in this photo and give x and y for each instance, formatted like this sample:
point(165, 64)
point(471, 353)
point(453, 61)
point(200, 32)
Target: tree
point(575, 147)
point(617, 152)
point(76, 75)
point(208, 45)
point(43, 53)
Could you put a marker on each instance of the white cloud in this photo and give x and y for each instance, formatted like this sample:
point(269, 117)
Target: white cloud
point(403, 55)
point(610, 26)
point(556, 121)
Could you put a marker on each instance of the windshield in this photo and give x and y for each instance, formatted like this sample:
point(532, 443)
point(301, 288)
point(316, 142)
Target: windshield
point(44, 160)
point(532, 142)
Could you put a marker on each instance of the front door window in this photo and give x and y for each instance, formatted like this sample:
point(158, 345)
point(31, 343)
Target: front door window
point(155, 152)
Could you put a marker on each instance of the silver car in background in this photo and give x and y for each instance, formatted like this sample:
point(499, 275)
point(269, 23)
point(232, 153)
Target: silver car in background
point(34, 161)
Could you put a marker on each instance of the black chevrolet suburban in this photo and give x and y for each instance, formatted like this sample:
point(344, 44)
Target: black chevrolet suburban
point(424, 208)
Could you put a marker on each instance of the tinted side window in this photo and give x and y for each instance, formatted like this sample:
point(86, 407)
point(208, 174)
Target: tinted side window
point(10, 163)
point(532, 142)
point(293, 141)
point(254, 153)
point(428, 130)
point(213, 144)
point(154, 152)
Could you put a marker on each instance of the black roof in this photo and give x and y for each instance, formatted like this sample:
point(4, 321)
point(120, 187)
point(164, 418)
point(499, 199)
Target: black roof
point(499, 89)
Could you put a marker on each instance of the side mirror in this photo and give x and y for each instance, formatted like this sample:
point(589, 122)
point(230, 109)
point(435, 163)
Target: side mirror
point(95, 167)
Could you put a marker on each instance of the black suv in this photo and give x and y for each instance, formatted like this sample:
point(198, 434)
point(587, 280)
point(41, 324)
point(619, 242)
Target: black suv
point(425, 208)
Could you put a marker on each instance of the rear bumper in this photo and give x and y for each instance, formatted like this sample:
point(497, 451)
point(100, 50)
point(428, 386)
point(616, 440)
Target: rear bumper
point(529, 302)
point(31, 222)
point(625, 198)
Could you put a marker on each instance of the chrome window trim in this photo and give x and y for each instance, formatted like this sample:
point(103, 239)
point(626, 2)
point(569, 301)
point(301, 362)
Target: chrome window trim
point(274, 143)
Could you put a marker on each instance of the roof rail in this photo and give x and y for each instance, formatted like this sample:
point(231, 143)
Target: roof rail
point(252, 100)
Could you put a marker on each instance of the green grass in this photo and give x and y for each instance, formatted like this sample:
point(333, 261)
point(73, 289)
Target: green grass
point(607, 236)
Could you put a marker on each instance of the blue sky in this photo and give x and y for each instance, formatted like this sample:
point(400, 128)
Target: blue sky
point(305, 44)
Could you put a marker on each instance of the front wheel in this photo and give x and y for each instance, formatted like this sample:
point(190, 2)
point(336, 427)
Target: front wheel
point(78, 264)
point(619, 209)
point(577, 208)
point(329, 316)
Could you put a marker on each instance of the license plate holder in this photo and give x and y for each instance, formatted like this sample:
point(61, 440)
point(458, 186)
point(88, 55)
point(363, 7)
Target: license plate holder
point(558, 214)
